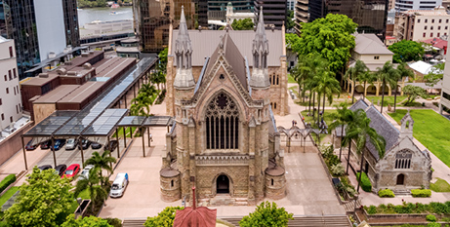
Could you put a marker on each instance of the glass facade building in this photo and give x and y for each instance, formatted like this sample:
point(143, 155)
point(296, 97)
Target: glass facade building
point(153, 18)
point(218, 8)
point(18, 22)
point(370, 15)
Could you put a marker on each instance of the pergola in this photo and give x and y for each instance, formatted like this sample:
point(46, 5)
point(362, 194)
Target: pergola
point(296, 131)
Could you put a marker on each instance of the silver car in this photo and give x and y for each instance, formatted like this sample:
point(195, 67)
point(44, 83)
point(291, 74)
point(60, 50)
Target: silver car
point(85, 173)
point(71, 144)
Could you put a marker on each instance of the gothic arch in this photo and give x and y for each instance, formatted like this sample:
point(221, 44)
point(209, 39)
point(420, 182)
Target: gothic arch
point(203, 102)
point(214, 183)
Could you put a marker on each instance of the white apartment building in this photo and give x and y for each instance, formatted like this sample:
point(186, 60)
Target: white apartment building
point(418, 25)
point(444, 105)
point(405, 5)
point(10, 100)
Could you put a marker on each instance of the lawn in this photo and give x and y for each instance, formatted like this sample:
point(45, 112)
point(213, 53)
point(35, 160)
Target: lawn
point(8, 195)
point(84, 195)
point(127, 131)
point(440, 186)
point(430, 129)
point(388, 100)
point(327, 118)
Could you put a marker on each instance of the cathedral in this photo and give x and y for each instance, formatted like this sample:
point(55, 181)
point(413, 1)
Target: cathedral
point(224, 140)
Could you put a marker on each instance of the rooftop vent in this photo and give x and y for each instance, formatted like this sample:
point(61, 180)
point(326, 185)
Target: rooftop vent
point(61, 71)
point(87, 65)
point(84, 54)
point(71, 73)
point(43, 75)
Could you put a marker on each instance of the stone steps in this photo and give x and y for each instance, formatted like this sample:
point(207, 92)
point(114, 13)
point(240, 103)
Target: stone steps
point(402, 192)
point(134, 222)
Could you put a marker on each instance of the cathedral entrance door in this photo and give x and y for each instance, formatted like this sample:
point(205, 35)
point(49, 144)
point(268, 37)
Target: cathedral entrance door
point(223, 185)
point(400, 179)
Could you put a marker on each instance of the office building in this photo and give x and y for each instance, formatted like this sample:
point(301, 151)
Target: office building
point(401, 5)
point(418, 25)
point(41, 29)
point(301, 13)
point(10, 101)
point(370, 15)
point(274, 12)
point(152, 20)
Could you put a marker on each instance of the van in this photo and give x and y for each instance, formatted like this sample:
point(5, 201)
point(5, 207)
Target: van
point(119, 185)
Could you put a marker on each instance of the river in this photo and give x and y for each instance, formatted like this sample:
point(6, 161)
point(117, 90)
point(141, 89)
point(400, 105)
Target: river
point(87, 15)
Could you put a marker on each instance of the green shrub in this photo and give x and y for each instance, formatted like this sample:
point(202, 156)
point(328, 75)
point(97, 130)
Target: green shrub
point(434, 224)
point(386, 193)
point(114, 222)
point(338, 169)
point(421, 192)
point(164, 219)
point(431, 218)
point(11, 178)
point(372, 209)
point(267, 214)
point(365, 182)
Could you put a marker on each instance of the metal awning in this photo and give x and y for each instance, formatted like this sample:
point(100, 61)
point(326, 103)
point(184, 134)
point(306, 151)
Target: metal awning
point(158, 121)
point(132, 121)
point(106, 123)
point(48, 126)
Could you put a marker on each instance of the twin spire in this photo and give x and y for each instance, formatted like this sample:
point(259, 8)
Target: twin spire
point(183, 53)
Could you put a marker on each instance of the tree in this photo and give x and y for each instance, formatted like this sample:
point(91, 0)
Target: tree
point(360, 131)
point(90, 221)
point(96, 192)
point(140, 106)
point(354, 73)
point(366, 77)
point(387, 75)
point(403, 72)
point(327, 85)
point(43, 200)
point(435, 75)
point(342, 117)
point(412, 92)
point(291, 44)
point(102, 161)
point(164, 219)
point(290, 20)
point(267, 214)
point(407, 50)
point(330, 37)
point(242, 24)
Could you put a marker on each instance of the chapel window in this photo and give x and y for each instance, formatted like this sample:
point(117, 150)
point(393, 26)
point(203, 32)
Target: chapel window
point(222, 123)
point(403, 159)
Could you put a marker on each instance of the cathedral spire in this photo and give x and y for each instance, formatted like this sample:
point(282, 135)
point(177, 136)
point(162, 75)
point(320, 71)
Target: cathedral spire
point(183, 53)
point(260, 51)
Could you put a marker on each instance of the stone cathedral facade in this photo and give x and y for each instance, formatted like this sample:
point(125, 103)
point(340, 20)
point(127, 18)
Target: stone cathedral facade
point(224, 140)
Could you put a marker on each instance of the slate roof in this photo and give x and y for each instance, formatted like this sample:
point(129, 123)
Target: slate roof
point(360, 104)
point(204, 42)
point(369, 44)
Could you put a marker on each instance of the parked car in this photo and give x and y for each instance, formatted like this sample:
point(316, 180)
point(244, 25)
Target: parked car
point(71, 171)
point(119, 185)
point(45, 167)
point(85, 172)
point(30, 146)
point(96, 145)
point(60, 169)
point(85, 144)
point(46, 145)
point(58, 144)
point(112, 145)
point(71, 144)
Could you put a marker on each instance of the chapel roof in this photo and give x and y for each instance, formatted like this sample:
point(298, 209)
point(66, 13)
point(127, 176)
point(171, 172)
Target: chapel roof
point(370, 44)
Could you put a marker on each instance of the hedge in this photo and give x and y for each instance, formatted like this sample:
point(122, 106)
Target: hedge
point(421, 192)
point(365, 182)
point(431, 218)
point(11, 178)
point(386, 193)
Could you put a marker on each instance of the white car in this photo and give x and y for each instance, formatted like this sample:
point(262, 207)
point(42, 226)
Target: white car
point(85, 172)
point(71, 144)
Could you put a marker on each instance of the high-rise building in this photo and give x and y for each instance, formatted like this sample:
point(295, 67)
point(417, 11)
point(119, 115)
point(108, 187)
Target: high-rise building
point(274, 12)
point(370, 15)
point(401, 5)
point(301, 13)
point(152, 19)
point(40, 28)
point(10, 99)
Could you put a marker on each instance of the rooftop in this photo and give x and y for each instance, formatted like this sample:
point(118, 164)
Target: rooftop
point(3, 40)
point(421, 67)
point(437, 42)
point(435, 12)
point(57, 94)
point(40, 80)
point(369, 44)
point(82, 92)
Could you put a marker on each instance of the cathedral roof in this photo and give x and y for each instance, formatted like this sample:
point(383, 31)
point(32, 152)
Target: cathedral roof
point(204, 42)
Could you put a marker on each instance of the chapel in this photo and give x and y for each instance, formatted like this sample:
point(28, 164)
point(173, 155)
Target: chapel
point(224, 140)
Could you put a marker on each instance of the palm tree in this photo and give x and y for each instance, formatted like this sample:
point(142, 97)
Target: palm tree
point(103, 161)
point(387, 75)
point(327, 84)
point(359, 130)
point(342, 117)
point(353, 73)
point(140, 106)
point(96, 192)
point(367, 77)
point(403, 72)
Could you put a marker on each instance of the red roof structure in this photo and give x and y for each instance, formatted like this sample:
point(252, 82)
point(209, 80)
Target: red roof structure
point(438, 43)
point(389, 37)
point(195, 216)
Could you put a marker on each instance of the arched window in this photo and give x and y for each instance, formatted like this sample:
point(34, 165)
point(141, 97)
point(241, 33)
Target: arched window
point(278, 80)
point(403, 159)
point(271, 182)
point(273, 79)
point(171, 183)
point(222, 123)
point(270, 79)
point(274, 105)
